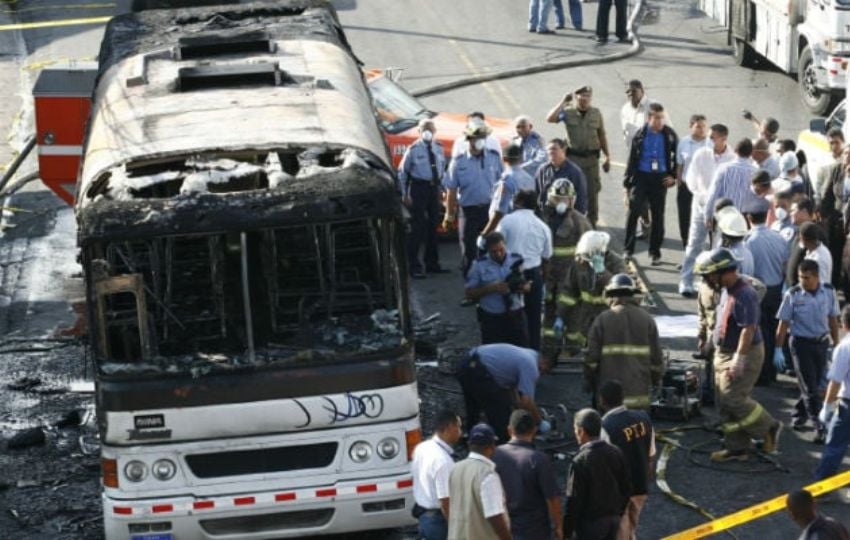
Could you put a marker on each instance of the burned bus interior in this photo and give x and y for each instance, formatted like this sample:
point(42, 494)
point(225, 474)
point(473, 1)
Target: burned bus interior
point(319, 284)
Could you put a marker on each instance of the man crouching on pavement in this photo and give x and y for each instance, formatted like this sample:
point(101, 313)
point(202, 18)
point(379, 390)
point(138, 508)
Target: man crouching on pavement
point(738, 356)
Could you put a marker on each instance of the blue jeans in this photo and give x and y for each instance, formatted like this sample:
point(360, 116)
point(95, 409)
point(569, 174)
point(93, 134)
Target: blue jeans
point(433, 526)
point(538, 14)
point(837, 441)
point(697, 235)
point(575, 13)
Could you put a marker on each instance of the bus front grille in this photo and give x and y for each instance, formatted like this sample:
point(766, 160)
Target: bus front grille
point(266, 460)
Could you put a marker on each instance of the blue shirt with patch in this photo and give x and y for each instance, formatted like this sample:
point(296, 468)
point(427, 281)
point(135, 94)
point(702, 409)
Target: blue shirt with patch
point(474, 177)
point(809, 312)
point(510, 366)
point(512, 182)
point(485, 271)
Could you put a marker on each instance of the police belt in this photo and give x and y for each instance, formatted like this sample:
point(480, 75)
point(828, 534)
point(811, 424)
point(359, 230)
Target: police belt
point(426, 180)
point(583, 153)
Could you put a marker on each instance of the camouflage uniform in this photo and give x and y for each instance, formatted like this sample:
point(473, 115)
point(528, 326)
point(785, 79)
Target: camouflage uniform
point(623, 344)
point(583, 134)
point(564, 239)
point(583, 296)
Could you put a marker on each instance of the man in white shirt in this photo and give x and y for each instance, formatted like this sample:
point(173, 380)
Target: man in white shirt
point(461, 144)
point(531, 238)
point(634, 111)
point(703, 165)
point(477, 500)
point(433, 461)
point(816, 250)
point(688, 146)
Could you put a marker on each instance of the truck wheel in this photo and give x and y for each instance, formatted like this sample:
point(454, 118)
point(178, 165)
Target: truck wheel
point(817, 101)
point(742, 53)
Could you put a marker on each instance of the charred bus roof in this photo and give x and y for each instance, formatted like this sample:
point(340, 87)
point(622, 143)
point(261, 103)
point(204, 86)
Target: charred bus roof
point(259, 104)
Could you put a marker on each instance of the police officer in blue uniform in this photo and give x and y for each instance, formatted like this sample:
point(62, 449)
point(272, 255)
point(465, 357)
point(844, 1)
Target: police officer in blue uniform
point(472, 176)
point(531, 143)
point(770, 255)
point(810, 310)
point(495, 281)
point(421, 174)
point(835, 413)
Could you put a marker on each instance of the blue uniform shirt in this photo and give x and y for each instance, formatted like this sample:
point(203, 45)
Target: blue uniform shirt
point(416, 163)
point(474, 177)
point(652, 151)
point(533, 152)
point(511, 183)
point(485, 271)
point(840, 369)
point(770, 254)
point(744, 312)
point(745, 258)
point(510, 366)
point(807, 312)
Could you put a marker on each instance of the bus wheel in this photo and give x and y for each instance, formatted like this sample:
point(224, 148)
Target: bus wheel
point(817, 101)
point(742, 53)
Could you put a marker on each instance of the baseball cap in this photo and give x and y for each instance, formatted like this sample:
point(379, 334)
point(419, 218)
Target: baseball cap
point(756, 206)
point(788, 162)
point(482, 434)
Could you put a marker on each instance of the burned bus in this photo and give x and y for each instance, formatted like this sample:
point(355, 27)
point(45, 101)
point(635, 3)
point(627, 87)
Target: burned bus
point(242, 240)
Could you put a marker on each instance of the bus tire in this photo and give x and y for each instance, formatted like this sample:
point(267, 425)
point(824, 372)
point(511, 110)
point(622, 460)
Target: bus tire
point(742, 53)
point(818, 102)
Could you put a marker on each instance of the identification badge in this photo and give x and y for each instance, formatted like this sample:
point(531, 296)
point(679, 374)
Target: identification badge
point(654, 165)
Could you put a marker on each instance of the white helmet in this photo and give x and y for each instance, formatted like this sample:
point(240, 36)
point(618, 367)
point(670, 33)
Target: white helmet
point(731, 222)
point(592, 243)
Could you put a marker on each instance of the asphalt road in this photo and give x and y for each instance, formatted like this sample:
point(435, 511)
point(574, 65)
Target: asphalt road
point(685, 65)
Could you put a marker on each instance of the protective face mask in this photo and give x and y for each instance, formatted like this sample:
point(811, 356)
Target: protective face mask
point(561, 208)
point(479, 144)
point(597, 261)
point(780, 213)
point(427, 135)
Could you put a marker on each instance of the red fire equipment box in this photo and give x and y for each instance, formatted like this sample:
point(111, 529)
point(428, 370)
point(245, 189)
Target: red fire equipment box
point(62, 104)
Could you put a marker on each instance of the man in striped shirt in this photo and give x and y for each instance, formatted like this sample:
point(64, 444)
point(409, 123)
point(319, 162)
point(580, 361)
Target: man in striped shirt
point(732, 181)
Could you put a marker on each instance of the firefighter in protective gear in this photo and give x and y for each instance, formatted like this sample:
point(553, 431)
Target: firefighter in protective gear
point(623, 345)
point(567, 225)
point(738, 357)
point(582, 298)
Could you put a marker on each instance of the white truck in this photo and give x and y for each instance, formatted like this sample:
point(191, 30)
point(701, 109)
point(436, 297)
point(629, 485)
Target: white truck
point(808, 39)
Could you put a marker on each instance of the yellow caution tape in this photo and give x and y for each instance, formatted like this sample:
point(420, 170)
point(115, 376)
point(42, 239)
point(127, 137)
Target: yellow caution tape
point(759, 510)
point(67, 6)
point(52, 24)
point(36, 66)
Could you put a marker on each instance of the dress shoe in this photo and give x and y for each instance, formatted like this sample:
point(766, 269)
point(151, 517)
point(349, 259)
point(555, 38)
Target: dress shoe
point(437, 270)
point(656, 260)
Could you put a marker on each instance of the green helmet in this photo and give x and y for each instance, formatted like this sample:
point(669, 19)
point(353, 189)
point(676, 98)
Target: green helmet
point(716, 260)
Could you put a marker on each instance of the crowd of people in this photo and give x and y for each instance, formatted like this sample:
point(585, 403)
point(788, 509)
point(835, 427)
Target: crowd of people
point(760, 234)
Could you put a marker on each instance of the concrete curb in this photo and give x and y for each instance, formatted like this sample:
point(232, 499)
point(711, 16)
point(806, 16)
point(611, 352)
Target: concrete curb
point(635, 49)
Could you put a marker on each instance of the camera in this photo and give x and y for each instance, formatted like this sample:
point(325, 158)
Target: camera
point(747, 114)
point(515, 280)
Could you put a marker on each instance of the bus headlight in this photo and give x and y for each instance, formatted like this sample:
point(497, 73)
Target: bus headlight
point(135, 471)
point(388, 448)
point(360, 452)
point(163, 469)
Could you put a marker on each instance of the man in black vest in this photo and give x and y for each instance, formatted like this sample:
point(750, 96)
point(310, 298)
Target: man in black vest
point(632, 432)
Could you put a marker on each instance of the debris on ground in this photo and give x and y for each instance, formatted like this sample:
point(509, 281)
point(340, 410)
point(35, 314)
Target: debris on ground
point(26, 438)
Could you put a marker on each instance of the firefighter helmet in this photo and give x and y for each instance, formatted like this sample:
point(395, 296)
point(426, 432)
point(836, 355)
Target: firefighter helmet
point(731, 222)
point(476, 128)
point(621, 285)
point(716, 260)
point(561, 191)
point(592, 243)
